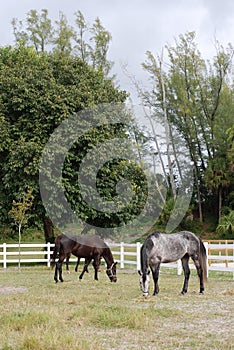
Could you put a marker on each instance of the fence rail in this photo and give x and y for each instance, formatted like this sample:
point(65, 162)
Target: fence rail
point(220, 255)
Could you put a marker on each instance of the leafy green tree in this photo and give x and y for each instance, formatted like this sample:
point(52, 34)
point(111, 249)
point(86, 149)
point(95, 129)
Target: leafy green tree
point(63, 36)
point(38, 92)
point(19, 213)
point(38, 32)
point(89, 42)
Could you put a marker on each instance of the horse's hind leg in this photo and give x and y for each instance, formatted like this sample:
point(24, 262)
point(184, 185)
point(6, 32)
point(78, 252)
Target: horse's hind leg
point(186, 269)
point(56, 273)
point(96, 263)
point(199, 272)
point(60, 263)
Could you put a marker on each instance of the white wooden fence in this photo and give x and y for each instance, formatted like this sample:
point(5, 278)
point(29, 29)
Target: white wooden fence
point(127, 255)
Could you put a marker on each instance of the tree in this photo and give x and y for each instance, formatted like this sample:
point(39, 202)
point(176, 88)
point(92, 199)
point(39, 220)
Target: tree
point(89, 42)
point(101, 39)
point(63, 36)
point(195, 94)
point(39, 31)
point(38, 92)
point(19, 213)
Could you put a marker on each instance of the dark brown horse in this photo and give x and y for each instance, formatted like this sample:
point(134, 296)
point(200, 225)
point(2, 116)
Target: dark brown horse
point(88, 247)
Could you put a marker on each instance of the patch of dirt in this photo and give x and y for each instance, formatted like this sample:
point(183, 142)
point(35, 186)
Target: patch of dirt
point(7, 290)
point(229, 291)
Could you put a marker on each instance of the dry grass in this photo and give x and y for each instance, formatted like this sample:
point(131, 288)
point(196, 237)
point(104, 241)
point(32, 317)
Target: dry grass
point(37, 314)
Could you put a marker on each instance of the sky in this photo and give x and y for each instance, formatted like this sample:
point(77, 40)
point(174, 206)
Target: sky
point(136, 26)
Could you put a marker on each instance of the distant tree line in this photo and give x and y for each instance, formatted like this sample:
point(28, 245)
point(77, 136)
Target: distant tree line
point(197, 98)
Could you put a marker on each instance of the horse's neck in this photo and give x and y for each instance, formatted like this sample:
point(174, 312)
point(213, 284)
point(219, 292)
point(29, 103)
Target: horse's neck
point(108, 257)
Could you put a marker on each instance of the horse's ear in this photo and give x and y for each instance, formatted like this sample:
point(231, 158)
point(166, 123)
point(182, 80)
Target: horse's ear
point(140, 273)
point(115, 263)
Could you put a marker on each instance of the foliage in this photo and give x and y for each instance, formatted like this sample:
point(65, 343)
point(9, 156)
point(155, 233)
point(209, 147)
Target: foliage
point(89, 42)
point(18, 212)
point(37, 92)
point(197, 98)
point(19, 209)
point(226, 225)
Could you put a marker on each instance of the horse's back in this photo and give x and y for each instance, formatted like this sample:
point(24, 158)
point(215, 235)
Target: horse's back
point(171, 247)
point(83, 246)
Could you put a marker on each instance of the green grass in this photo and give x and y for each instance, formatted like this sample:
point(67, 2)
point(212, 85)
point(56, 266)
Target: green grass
point(37, 314)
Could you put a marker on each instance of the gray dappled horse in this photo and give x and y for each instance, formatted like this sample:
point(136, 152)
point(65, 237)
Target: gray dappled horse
point(164, 248)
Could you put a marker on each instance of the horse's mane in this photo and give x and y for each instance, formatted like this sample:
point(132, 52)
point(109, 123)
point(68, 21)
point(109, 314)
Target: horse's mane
point(145, 249)
point(107, 255)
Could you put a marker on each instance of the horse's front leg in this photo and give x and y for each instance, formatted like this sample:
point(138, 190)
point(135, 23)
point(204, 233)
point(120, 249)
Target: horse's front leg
point(155, 273)
point(77, 264)
point(96, 263)
point(186, 269)
point(67, 263)
point(87, 261)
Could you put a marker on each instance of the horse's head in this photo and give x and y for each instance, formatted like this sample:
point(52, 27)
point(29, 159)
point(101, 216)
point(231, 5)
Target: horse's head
point(144, 282)
point(111, 272)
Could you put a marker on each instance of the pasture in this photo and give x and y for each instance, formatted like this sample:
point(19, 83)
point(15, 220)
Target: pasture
point(37, 314)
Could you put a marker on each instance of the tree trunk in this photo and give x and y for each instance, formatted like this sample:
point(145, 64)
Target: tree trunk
point(48, 230)
point(198, 192)
point(220, 201)
point(167, 131)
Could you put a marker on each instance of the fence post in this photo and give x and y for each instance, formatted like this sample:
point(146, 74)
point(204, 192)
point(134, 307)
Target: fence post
point(122, 255)
point(4, 250)
point(233, 260)
point(48, 254)
point(226, 252)
point(206, 244)
point(138, 251)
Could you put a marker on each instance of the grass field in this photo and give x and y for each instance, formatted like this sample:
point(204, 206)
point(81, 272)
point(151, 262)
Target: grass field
point(37, 314)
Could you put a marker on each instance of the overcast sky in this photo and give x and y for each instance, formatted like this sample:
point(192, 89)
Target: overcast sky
point(136, 25)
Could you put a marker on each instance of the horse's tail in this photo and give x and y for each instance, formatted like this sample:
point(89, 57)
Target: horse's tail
point(203, 258)
point(56, 250)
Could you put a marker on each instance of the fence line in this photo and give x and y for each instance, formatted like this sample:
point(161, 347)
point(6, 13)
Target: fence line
point(220, 255)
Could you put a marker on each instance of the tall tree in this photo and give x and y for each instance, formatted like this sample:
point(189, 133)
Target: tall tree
point(63, 35)
point(37, 92)
point(195, 93)
point(89, 42)
point(38, 31)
